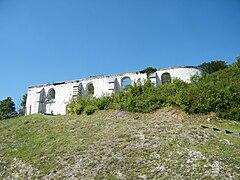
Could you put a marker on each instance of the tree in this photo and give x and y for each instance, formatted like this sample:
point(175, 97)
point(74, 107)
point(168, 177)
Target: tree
point(7, 106)
point(24, 100)
point(238, 61)
point(213, 66)
point(148, 71)
point(23, 105)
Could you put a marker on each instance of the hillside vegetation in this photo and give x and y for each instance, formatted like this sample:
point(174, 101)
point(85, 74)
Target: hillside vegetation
point(142, 132)
point(219, 93)
point(119, 145)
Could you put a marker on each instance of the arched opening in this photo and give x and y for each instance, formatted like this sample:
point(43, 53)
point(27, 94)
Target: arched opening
point(166, 78)
point(139, 82)
point(90, 89)
point(126, 83)
point(51, 94)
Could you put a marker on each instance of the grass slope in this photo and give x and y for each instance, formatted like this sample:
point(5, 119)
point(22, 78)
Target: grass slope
point(119, 145)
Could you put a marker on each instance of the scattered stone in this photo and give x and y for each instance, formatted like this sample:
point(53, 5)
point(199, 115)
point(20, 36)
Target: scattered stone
point(215, 129)
point(223, 131)
point(228, 142)
point(26, 122)
point(226, 132)
point(236, 134)
point(142, 176)
point(216, 167)
point(204, 126)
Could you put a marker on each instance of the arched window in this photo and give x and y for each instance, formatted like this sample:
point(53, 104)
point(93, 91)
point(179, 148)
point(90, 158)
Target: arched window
point(139, 82)
point(126, 83)
point(51, 94)
point(166, 78)
point(90, 89)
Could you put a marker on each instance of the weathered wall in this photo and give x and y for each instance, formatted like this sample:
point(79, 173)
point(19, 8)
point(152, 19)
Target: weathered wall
point(39, 100)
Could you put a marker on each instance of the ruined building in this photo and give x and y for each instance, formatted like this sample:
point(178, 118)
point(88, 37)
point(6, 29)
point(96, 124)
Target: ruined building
point(53, 98)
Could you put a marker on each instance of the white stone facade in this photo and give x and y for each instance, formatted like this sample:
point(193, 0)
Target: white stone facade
point(53, 98)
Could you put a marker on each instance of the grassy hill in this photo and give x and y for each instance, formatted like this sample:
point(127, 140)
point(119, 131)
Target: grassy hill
point(119, 145)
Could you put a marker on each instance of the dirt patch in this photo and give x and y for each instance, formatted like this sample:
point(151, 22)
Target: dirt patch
point(166, 114)
point(115, 114)
point(169, 114)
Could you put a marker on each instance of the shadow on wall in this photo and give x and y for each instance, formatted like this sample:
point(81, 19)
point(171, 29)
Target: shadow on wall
point(113, 85)
point(42, 102)
point(45, 102)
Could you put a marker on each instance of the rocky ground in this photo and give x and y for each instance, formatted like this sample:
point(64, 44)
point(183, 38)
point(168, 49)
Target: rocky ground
point(118, 145)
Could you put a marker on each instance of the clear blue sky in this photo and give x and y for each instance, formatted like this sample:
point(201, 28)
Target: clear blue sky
point(55, 40)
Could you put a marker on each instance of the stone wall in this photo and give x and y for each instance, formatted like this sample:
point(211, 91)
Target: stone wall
point(53, 98)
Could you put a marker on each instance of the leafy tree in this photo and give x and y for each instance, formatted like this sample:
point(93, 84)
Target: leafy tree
point(7, 106)
point(148, 71)
point(213, 66)
point(238, 61)
point(24, 100)
point(23, 104)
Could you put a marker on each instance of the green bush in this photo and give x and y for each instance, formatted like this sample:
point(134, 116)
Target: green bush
point(78, 109)
point(90, 109)
point(218, 92)
point(77, 106)
point(238, 61)
point(103, 102)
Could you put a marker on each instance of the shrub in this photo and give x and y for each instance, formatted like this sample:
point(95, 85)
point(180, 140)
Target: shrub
point(238, 61)
point(213, 66)
point(76, 106)
point(218, 92)
point(90, 109)
point(103, 102)
point(78, 109)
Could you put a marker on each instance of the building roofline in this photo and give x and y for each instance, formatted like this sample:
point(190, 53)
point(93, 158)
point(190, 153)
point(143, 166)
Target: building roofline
point(108, 76)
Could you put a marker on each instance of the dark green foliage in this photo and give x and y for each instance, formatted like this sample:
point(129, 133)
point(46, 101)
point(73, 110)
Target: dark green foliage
point(103, 102)
point(78, 109)
point(127, 87)
point(148, 71)
point(213, 66)
point(238, 61)
point(76, 106)
point(7, 106)
point(218, 92)
point(90, 109)
point(7, 109)
point(24, 100)
point(23, 105)
point(86, 104)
